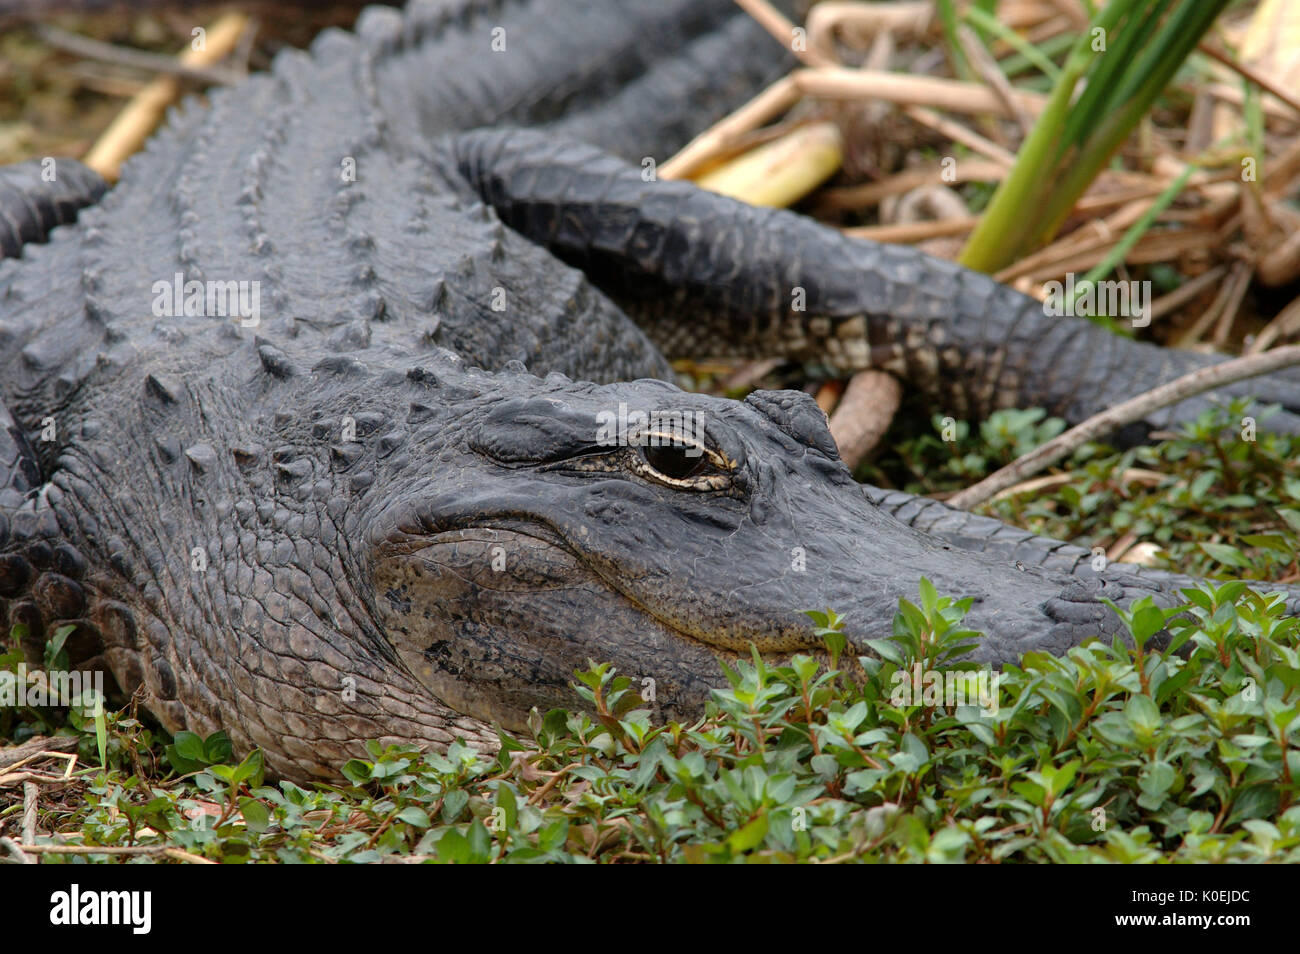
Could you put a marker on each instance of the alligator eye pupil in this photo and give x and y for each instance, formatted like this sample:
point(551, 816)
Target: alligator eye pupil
point(674, 462)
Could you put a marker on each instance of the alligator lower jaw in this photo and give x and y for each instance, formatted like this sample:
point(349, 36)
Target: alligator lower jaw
point(496, 622)
point(534, 538)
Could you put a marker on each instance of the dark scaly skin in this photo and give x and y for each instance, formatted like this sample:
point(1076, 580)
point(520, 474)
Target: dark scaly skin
point(326, 528)
point(706, 275)
point(38, 195)
point(993, 538)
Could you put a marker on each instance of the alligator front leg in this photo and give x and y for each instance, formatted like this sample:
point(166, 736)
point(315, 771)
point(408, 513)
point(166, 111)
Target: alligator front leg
point(707, 275)
point(40, 194)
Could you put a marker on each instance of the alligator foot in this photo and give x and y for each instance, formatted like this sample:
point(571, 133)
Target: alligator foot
point(41, 583)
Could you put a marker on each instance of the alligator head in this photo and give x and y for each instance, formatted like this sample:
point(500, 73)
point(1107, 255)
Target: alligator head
point(548, 523)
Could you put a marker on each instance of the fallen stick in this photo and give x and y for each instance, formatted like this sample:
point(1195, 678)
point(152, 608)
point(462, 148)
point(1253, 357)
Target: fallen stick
point(1189, 290)
point(171, 852)
point(831, 17)
point(31, 800)
point(726, 132)
point(1286, 322)
point(960, 134)
point(783, 31)
point(1250, 75)
point(864, 414)
point(15, 852)
point(840, 83)
point(1134, 409)
point(127, 133)
point(869, 194)
point(905, 233)
point(87, 48)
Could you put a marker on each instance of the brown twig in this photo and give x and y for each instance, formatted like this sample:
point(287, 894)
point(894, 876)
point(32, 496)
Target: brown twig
point(960, 134)
point(1187, 291)
point(12, 757)
point(87, 48)
point(830, 18)
point(1134, 409)
point(905, 233)
point(748, 375)
point(775, 23)
point(837, 82)
point(1162, 246)
point(865, 196)
point(137, 121)
point(864, 414)
point(722, 136)
point(1279, 265)
point(1286, 322)
point(1240, 284)
point(1236, 96)
point(31, 797)
point(146, 850)
point(989, 70)
point(16, 851)
point(1231, 291)
point(1051, 481)
point(1251, 74)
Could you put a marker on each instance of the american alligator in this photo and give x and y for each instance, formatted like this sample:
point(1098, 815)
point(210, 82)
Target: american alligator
point(340, 508)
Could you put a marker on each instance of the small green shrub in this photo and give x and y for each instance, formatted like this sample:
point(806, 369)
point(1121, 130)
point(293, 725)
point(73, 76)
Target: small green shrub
point(1111, 753)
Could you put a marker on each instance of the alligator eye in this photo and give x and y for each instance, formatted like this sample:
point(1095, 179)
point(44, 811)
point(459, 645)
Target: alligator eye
point(668, 459)
point(677, 463)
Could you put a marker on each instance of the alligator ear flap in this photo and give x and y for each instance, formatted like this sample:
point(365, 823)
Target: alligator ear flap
point(798, 416)
point(535, 430)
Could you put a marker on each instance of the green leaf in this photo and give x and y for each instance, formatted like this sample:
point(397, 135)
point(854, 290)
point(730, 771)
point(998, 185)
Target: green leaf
point(356, 771)
point(453, 804)
point(1292, 517)
point(454, 848)
point(414, 815)
point(251, 770)
point(218, 748)
point(506, 801)
point(1225, 554)
point(188, 746)
point(1142, 715)
point(749, 836)
point(257, 817)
